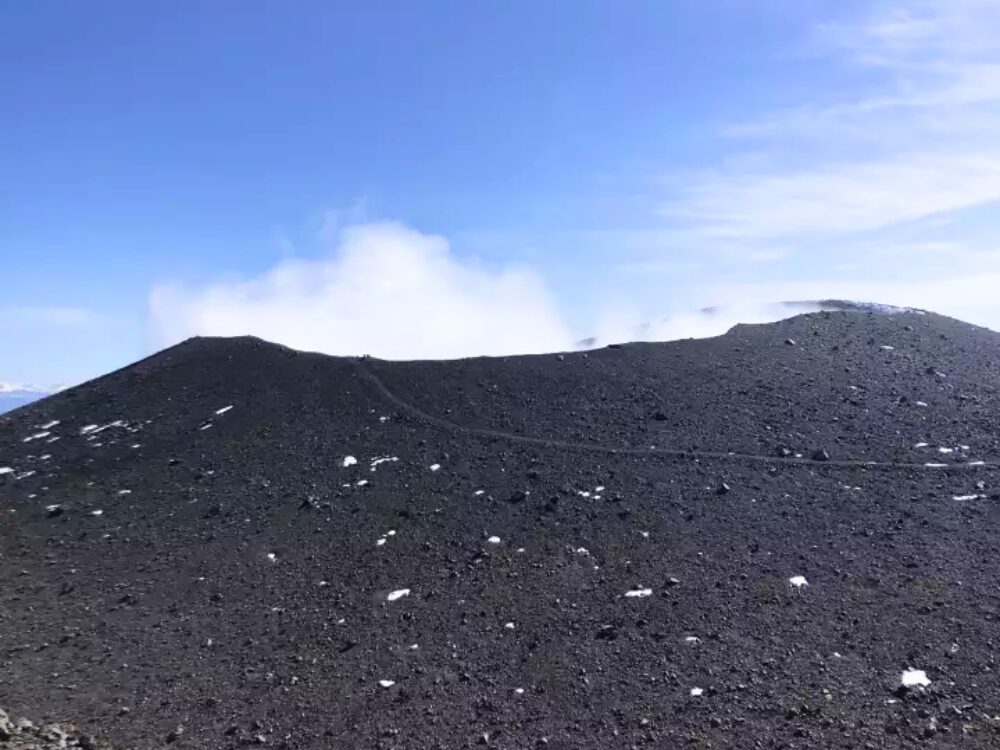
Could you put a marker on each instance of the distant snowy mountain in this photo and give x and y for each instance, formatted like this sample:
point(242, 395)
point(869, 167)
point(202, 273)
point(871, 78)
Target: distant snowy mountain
point(13, 395)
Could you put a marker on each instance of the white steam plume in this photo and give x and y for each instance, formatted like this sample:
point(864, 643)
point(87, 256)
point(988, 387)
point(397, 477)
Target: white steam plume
point(386, 290)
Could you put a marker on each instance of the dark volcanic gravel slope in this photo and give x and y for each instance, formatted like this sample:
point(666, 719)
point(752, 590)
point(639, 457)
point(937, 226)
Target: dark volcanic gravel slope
point(178, 572)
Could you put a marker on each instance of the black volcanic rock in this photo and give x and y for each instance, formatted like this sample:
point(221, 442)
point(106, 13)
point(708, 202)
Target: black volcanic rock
point(231, 577)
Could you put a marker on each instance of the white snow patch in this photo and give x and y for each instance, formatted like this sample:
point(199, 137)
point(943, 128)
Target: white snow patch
point(124, 492)
point(435, 467)
point(477, 493)
point(397, 594)
point(692, 639)
point(697, 692)
point(509, 625)
point(380, 542)
point(599, 489)
point(519, 691)
point(6, 470)
point(37, 436)
point(977, 463)
point(97, 512)
point(798, 581)
point(887, 348)
point(223, 410)
point(965, 498)
point(386, 683)
point(50, 425)
point(349, 461)
point(922, 403)
point(914, 678)
point(494, 540)
point(921, 445)
point(88, 428)
point(946, 450)
point(205, 426)
point(933, 465)
point(376, 462)
point(582, 551)
point(272, 557)
point(361, 483)
point(639, 593)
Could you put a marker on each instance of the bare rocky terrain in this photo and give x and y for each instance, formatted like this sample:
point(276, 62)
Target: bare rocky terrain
point(784, 537)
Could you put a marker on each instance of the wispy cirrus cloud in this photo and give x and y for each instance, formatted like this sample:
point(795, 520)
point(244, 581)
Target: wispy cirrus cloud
point(922, 141)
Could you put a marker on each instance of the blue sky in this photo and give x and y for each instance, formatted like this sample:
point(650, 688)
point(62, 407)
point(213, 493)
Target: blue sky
point(451, 177)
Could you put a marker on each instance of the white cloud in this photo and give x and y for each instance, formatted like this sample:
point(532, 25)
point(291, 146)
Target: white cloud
point(841, 198)
point(386, 290)
point(921, 141)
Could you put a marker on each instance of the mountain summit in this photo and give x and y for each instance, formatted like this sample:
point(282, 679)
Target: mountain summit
point(783, 536)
